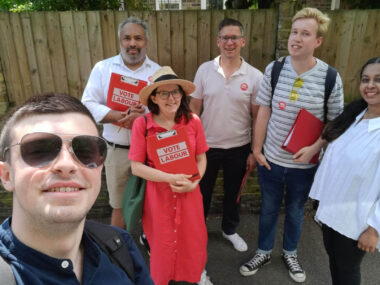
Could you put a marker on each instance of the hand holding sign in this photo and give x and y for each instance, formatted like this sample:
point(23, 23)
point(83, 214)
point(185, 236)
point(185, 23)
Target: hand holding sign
point(130, 116)
point(180, 183)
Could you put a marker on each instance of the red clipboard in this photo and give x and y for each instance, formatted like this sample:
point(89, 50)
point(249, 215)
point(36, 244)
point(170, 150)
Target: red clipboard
point(305, 130)
point(171, 153)
point(123, 92)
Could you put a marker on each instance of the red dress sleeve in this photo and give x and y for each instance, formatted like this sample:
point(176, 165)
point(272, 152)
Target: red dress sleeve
point(137, 151)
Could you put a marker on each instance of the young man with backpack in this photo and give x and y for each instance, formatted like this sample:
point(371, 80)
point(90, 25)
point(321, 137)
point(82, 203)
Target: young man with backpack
point(298, 81)
point(51, 159)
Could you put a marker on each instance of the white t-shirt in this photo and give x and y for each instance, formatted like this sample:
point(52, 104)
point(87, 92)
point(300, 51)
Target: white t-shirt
point(286, 104)
point(95, 94)
point(347, 182)
point(226, 116)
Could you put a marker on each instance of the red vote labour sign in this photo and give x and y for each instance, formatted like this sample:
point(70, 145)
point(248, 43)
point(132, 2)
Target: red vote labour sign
point(123, 92)
point(171, 153)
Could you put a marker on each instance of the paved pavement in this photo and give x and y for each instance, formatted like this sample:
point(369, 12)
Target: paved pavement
point(223, 261)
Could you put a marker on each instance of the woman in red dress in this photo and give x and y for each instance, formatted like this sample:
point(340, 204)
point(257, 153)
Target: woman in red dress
point(173, 220)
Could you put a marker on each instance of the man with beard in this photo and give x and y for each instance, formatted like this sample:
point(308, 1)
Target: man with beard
point(132, 62)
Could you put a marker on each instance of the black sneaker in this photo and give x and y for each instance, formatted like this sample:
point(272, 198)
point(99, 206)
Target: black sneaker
point(249, 268)
point(295, 269)
point(144, 242)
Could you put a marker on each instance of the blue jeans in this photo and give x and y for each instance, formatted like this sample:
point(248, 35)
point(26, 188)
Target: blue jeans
point(272, 183)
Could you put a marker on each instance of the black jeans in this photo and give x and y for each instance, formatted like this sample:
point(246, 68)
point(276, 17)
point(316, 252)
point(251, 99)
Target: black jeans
point(233, 161)
point(344, 256)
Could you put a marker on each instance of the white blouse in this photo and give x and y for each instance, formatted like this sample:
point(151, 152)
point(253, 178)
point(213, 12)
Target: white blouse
point(347, 183)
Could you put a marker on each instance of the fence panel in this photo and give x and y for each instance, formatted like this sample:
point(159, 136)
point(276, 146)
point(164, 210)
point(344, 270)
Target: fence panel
point(21, 54)
point(11, 70)
point(353, 38)
point(55, 51)
point(31, 54)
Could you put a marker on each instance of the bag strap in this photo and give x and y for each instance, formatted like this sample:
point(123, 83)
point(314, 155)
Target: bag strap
point(112, 243)
point(146, 134)
point(6, 273)
point(329, 86)
point(275, 74)
point(146, 125)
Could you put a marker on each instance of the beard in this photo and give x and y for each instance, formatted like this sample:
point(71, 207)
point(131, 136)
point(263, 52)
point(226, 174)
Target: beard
point(135, 58)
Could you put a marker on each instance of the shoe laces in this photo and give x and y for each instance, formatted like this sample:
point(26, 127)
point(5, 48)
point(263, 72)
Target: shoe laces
point(292, 262)
point(257, 260)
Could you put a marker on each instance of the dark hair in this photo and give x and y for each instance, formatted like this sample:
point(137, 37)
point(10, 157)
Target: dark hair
point(230, 22)
point(50, 103)
point(341, 123)
point(183, 109)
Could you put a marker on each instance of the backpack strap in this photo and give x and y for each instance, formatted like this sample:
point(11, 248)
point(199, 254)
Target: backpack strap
point(112, 243)
point(329, 86)
point(6, 273)
point(275, 74)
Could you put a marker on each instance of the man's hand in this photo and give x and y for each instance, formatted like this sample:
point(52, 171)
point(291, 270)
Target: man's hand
point(304, 155)
point(368, 240)
point(130, 116)
point(251, 162)
point(261, 159)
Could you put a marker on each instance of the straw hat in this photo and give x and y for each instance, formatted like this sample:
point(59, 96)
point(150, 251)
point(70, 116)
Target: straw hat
point(165, 75)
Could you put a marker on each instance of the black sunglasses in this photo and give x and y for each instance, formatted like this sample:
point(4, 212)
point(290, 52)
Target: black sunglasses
point(39, 149)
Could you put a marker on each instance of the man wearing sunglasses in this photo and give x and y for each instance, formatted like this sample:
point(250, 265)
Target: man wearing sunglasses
point(133, 63)
point(226, 89)
point(51, 160)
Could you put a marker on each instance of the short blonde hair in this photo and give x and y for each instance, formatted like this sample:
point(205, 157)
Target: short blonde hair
point(322, 19)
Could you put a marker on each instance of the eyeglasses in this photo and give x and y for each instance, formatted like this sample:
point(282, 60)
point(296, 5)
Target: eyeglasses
point(234, 39)
point(40, 149)
point(294, 93)
point(166, 94)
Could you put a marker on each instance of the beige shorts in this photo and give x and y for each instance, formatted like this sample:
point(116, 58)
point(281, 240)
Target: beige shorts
point(118, 169)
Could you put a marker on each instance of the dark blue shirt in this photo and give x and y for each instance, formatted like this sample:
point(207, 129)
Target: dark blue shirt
point(31, 267)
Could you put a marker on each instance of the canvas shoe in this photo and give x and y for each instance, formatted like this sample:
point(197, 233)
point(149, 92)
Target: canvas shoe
point(251, 267)
point(238, 243)
point(205, 280)
point(144, 242)
point(295, 270)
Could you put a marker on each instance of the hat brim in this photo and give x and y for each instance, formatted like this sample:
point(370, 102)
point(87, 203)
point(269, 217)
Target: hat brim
point(186, 85)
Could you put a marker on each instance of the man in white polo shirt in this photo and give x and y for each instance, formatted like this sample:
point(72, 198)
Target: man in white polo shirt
point(226, 89)
point(132, 62)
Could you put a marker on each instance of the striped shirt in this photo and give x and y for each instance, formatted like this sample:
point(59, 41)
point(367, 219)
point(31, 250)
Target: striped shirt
point(294, 92)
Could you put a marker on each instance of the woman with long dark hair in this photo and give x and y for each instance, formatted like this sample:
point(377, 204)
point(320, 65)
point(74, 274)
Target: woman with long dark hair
point(173, 218)
point(347, 183)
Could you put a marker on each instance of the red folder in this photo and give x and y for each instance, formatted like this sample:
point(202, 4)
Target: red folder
point(171, 153)
point(123, 92)
point(305, 131)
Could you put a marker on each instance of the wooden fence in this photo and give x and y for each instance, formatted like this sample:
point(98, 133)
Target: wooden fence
point(353, 38)
point(55, 51)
